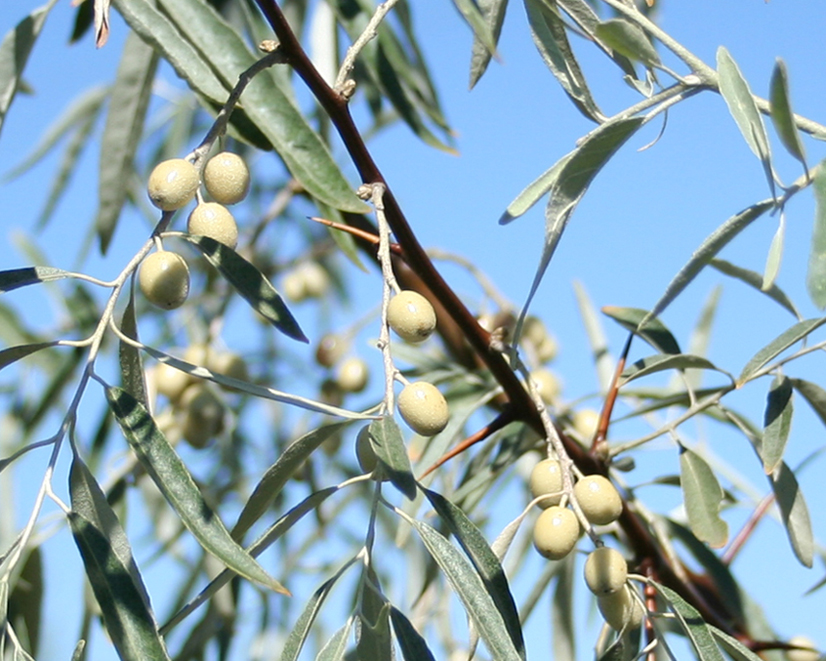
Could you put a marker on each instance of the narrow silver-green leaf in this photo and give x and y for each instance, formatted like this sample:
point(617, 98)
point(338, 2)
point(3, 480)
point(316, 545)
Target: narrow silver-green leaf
point(628, 39)
point(702, 496)
point(388, 444)
point(493, 13)
point(373, 638)
point(775, 255)
point(173, 479)
point(478, 22)
point(562, 610)
point(814, 395)
point(250, 283)
point(584, 16)
point(15, 49)
point(701, 336)
point(660, 362)
point(277, 475)
point(122, 132)
point(471, 590)
point(534, 191)
point(733, 647)
point(299, 633)
point(754, 279)
point(713, 244)
point(596, 337)
point(654, 331)
point(411, 643)
point(781, 113)
point(697, 631)
point(335, 648)
point(794, 512)
point(777, 423)
point(816, 274)
point(778, 345)
point(131, 364)
point(30, 275)
point(13, 354)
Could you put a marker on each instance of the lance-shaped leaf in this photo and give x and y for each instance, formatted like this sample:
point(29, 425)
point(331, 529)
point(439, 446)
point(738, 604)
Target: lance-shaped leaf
point(484, 560)
point(660, 362)
point(702, 496)
point(301, 630)
point(733, 647)
point(794, 512)
point(629, 39)
point(603, 362)
point(335, 648)
point(775, 254)
point(373, 625)
point(13, 354)
point(814, 395)
point(782, 115)
point(388, 444)
point(816, 274)
point(493, 13)
point(15, 49)
point(131, 364)
point(689, 619)
point(250, 283)
point(476, 19)
point(534, 191)
point(562, 612)
point(778, 345)
point(122, 132)
point(173, 479)
point(777, 423)
point(411, 643)
point(655, 332)
point(743, 108)
point(30, 275)
point(583, 14)
point(754, 279)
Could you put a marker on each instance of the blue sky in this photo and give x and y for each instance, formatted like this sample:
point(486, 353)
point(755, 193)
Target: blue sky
point(642, 218)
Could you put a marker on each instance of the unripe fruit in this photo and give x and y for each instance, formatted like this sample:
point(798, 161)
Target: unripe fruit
point(164, 279)
point(546, 478)
point(411, 316)
point(331, 347)
point(810, 654)
point(600, 502)
point(307, 280)
point(364, 451)
point(423, 408)
point(352, 375)
point(555, 532)
point(585, 422)
point(621, 610)
point(172, 184)
point(215, 221)
point(547, 384)
point(605, 571)
point(229, 364)
point(203, 415)
point(227, 178)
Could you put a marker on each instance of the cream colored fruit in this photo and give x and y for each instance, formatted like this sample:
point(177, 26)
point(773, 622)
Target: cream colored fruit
point(555, 532)
point(307, 280)
point(585, 422)
point(546, 478)
point(164, 279)
point(599, 499)
point(172, 184)
point(227, 178)
point(215, 221)
point(544, 344)
point(605, 571)
point(203, 415)
point(547, 384)
point(330, 349)
point(411, 316)
point(352, 375)
point(229, 364)
point(621, 610)
point(810, 654)
point(423, 408)
point(365, 453)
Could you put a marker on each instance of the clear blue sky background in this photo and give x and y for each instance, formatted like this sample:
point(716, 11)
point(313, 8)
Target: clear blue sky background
point(642, 218)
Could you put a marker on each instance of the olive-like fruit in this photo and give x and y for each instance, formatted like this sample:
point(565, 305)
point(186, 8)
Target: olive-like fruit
point(307, 280)
point(546, 478)
point(164, 279)
point(555, 532)
point(331, 347)
point(585, 422)
point(228, 364)
point(170, 381)
point(808, 654)
point(547, 384)
point(411, 316)
point(172, 184)
point(599, 499)
point(605, 571)
point(621, 610)
point(227, 178)
point(423, 408)
point(365, 453)
point(352, 375)
point(203, 415)
point(215, 221)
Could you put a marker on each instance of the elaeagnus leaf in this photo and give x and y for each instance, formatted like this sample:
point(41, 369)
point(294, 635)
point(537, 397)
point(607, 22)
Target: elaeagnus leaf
point(778, 345)
point(794, 512)
point(781, 113)
point(413, 646)
point(754, 279)
point(493, 13)
point(388, 444)
point(702, 496)
point(816, 274)
point(655, 332)
point(31, 275)
point(628, 39)
point(777, 423)
point(691, 622)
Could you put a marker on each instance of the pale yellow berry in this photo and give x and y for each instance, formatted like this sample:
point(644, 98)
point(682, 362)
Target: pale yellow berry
point(172, 184)
point(227, 178)
point(809, 654)
point(292, 286)
point(352, 375)
point(600, 502)
point(215, 221)
point(203, 415)
point(364, 451)
point(546, 478)
point(331, 347)
point(555, 532)
point(585, 422)
point(621, 610)
point(423, 408)
point(605, 571)
point(316, 280)
point(411, 316)
point(229, 364)
point(164, 279)
point(547, 384)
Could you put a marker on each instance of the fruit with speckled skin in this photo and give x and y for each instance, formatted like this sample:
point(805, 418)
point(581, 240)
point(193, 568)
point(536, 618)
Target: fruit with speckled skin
point(164, 279)
point(172, 184)
point(423, 408)
point(411, 316)
point(546, 478)
point(605, 571)
point(227, 178)
point(600, 502)
point(215, 221)
point(555, 532)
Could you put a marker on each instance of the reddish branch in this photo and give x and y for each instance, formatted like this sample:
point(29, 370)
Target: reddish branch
point(458, 326)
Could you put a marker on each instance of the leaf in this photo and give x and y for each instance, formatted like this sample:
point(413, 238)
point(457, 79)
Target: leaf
point(15, 278)
point(373, 640)
point(702, 496)
point(122, 132)
point(477, 20)
point(775, 256)
point(250, 283)
point(586, 18)
point(742, 106)
point(776, 423)
point(534, 191)
point(778, 345)
point(277, 475)
point(484, 560)
point(15, 49)
point(131, 365)
point(299, 633)
point(814, 395)
point(335, 648)
point(629, 39)
point(493, 13)
point(25, 601)
point(733, 647)
point(794, 512)
point(816, 274)
point(781, 113)
point(660, 362)
point(472, 592)
point(655, 332)
point(596, 337)
point(698, 632)
point(176, 484)
point(411, 643)
point(388, 444)
point(551, 39)
point(755, 280)
point(701, 337)
point(562, 611)
point(713, 244)
point(13, 354)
